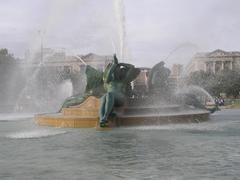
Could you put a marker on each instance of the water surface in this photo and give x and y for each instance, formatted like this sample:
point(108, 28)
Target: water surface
point(209, 150)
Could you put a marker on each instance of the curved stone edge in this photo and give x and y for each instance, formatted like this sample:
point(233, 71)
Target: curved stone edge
point(66, 122)
point(161, 120)
point(92, 122)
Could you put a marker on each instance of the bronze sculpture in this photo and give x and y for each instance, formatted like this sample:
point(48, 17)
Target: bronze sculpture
point(117, 78)
point(94, 87)
point(158, 82)
point(111, 86)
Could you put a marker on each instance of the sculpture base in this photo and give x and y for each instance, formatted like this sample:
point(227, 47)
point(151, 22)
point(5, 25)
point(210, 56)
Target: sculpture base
point(86, 116)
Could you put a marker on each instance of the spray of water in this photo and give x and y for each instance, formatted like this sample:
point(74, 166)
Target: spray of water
point(120, 22)
point(34, 134)
point(180, 46)
point(54, 16)
point(195, 90)
point(29, 99)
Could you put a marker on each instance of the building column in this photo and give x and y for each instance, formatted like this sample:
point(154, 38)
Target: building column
point(231, 65)
point(222, 65)
point(214, 67)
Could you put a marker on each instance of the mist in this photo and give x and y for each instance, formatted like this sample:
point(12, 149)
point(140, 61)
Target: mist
point(152, 29)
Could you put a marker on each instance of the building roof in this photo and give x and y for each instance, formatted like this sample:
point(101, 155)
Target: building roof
point(217, 53)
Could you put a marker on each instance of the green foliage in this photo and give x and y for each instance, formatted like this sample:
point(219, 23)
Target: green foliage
point(12, 79)
point(229, 82)
point(226, 81)
point(4, 52)
point(5, 57)
point(203, 79)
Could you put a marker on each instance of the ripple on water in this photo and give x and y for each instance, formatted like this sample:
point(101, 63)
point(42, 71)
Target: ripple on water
point(173, 127)
point(34, 134)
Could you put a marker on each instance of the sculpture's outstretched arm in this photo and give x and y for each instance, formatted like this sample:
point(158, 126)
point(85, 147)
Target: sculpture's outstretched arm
point(109, 74)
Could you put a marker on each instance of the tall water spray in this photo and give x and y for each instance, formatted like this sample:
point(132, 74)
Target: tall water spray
point(121, 28)
point(33, 92)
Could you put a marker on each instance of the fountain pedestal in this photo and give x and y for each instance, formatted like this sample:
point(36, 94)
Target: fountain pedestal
point(82, 116)
point(86, 116)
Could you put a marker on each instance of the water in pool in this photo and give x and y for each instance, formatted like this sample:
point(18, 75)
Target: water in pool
point(209, 150)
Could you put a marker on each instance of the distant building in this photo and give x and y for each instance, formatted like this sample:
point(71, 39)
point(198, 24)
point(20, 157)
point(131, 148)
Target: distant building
point(142, 77)
point(214, 61)
point(44, 55)
point(175, 77)
point(58, 59)
point(97, 61)
point(176, 70)
point(140, 84)
point(62, 66)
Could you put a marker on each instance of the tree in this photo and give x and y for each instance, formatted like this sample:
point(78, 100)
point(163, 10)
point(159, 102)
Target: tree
point(229, 82)
point(203, 79)
point(5, 57)
point(4, 52)
point(11, 78)
point(226, 81)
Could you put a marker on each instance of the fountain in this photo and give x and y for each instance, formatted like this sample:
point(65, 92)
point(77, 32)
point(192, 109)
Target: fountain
point(122, 107)
point(83, 110)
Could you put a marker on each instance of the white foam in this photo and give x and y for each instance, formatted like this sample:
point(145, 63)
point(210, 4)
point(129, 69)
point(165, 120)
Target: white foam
point(34, 134)
point(15, 116)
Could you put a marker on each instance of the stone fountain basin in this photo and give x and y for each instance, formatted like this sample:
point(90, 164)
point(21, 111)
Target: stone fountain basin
point(86, 116)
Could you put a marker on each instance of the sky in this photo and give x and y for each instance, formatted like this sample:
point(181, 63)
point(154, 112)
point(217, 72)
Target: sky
point(150, 30)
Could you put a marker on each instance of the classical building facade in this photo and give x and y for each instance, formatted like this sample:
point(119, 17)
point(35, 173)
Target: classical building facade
point(53, 58)
point(214, 61)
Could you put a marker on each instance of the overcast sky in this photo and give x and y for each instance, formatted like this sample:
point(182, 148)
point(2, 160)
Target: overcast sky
point(154, 28)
